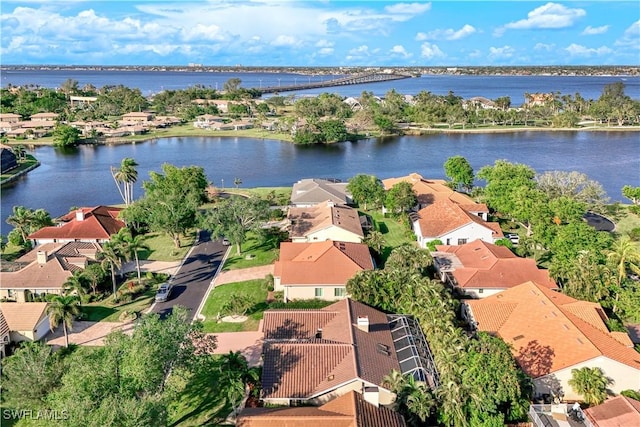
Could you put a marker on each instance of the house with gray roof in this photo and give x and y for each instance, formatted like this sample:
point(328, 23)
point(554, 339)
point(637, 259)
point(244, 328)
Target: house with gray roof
point(313, 191)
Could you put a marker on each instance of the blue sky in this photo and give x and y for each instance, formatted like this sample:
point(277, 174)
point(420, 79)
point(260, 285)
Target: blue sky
point(320, 33)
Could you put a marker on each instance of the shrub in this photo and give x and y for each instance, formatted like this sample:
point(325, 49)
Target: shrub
point(268, 282)
point(433, 243)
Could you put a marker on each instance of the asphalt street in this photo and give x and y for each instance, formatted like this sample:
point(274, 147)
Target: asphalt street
point(192, 280)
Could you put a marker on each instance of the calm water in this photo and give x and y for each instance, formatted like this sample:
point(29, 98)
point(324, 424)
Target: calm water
point(150, 82)
point(82, 178)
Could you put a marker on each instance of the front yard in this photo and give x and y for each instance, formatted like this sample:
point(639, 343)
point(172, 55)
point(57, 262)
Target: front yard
point(254, 253)
point(213, 307)
point(161, 247)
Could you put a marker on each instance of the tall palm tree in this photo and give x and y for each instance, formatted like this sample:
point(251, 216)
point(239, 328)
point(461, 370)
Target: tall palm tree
point(111, 258)
point(63, 308)
point(75, 283)
point(376, 241)
point(126, 175)
point(590, 383)
point(130, 246)
point(21, 219)
point(624, 256)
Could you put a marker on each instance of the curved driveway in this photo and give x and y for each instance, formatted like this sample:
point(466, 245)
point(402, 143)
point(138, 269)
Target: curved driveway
point(194, 276)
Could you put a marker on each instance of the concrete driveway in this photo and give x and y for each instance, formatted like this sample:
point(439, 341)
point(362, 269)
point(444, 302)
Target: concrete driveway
point(88, 333)
point(243, 274)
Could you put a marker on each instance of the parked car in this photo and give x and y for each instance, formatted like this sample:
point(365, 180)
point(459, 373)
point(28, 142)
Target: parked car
point(515, 239)
point(164, 292)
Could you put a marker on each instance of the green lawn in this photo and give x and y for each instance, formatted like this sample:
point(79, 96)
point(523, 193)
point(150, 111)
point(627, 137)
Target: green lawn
point(26, 164)
point(221, 294)
point(394, 231)
point(254, 253)
point(162, 247)
point(103, 311)
point(200, 400)
point(627, 223)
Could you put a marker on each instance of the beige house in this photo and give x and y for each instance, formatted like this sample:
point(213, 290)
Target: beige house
point(551, 334)
point(319, 270)
point(5, 336)
point(315, 356)
point(137, 117)
point(10, 117)
point(27, 321)
point(45, 117)
point(325, 221)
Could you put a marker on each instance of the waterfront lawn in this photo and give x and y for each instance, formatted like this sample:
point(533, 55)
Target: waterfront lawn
point(28, 162)
point(220, 295)
point(199, 397)
point(394, 232)
point(12, 252)
point(161, 247)
point(628, 222)
point(254, 253)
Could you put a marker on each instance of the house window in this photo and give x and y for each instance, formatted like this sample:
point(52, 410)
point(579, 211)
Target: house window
point(318, 292)
point(480, 291)
point(462, 241)
point(339, 292)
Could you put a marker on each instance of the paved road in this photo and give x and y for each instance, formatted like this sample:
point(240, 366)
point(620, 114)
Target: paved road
point(194, 276)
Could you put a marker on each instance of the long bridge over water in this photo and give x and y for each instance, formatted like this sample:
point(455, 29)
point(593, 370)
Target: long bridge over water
point(355, 79)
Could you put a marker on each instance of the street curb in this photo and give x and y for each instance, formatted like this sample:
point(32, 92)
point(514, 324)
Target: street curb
point(198, 316)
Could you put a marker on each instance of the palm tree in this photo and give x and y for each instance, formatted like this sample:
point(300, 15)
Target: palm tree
point(21, 220)
point(590, 383)
point(376, 241)
point(75, 283)
point(130, 246)
point(625, 256)
point(112, 260)
point(237, 182)
point(126, 175)
point(63, 308)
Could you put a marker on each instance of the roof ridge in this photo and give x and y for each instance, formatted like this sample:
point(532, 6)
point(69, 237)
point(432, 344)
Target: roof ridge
point(352, 339)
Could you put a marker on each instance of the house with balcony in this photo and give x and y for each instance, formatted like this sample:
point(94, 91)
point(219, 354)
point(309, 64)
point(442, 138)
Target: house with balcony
point(325, 221)
point(551, 334)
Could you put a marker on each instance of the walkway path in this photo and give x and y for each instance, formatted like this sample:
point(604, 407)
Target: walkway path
point(88, 333)
point(247, 343)
point(242, 274)
point(168, 267)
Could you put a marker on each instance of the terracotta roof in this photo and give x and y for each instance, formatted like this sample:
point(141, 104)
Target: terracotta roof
point(479, 264)
point(348, 410)
point(62, 260)
point(300, 363)
point(429, 191)
point(313, 191)
point(619, 411)
point(24, 316)
point(445, 216)
point(99, 222)
point(4, 326)
point(305, 221)
point(547, 330)
point(328, 262)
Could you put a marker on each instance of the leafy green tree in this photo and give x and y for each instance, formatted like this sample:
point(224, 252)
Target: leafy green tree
point(590, 383)
point(631, 193)
point(366, 190)
point(235, 217)
point(125, 175)
point(232, 85)
point(409, 258)
point(385, 124)
point(171, 200)
point(27, 221)
point(76, 284)
point(62, 309)
point(94, 275)
point(376, 241)
point(414, 399)
point(333, 131)
point(29, 375)
point(503, 179)
point(400, 198)
point(65, 135)
point(459, 171)
point(238, 304)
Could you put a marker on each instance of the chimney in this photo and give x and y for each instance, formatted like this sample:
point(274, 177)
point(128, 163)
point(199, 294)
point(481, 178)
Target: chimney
point(372, 395)
point(79, 215)
point(41, 256)
point(363, 323)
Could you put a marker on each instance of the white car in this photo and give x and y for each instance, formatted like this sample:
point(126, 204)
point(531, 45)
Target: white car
point(226, 242)
point(164, 292)
point(515, 239)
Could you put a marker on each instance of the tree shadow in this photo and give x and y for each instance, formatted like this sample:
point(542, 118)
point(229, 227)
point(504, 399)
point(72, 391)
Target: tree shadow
point(535, 359)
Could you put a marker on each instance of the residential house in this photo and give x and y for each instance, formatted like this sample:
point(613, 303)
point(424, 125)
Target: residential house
point(5, 336)
point(45, 117)
point(310, 192)
point(137, 117)
point(10, 118)
point(478, 103)
point(619, 411)
point(27, 321)
point(350, 409)
point(45, 269)
point(319, 270)
point(538, 99)
point(325, 221)
point(429, 191)
point(81, 101)
point(208, 121)
point(95, 224)
point(551, 334)
point(8, 159)
point(314, 356)
point(450, 223)
point(480, 269)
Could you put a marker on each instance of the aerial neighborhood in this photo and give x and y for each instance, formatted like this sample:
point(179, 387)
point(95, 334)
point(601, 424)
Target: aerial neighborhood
point(369, 302)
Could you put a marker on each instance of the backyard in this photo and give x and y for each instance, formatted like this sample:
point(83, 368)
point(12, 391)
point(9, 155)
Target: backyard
point(394, 231)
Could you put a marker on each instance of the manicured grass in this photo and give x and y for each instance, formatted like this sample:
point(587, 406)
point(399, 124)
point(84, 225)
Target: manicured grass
point(104, 311)
point(221, 294)
point(27, 163)
point(254, 253)
point(12, 252)
point(262, 192)
point(200, 401)
point(627, 223)
point(394, 232)
point(162, 247)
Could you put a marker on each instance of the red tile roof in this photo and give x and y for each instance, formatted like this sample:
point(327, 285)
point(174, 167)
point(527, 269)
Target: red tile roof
point(99, 222)
point(445, 216)
point(485, 265)
point(328, 262)
point(300, 364)
point(348, 410)
point(549, 331)
point(620, 411)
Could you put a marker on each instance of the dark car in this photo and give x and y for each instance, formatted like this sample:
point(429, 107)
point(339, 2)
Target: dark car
point(164, 292)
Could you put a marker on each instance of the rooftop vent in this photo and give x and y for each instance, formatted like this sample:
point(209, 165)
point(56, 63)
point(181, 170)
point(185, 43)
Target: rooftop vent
point(41, 256)
point(363, 323)
point(319, 333)
point(518, 337)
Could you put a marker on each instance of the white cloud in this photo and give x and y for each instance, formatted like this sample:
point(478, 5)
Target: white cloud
point(283, 40)
point(408, 8)
point(362, 50)
point(550, 15)
point(631, 36)
point(448, 34)
point(326, 51)
point(544, 46)
point(501, 52)
point(324, 43)
point(401, 51)
point(428, 50)
point(592, 31)
point(578, 50)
